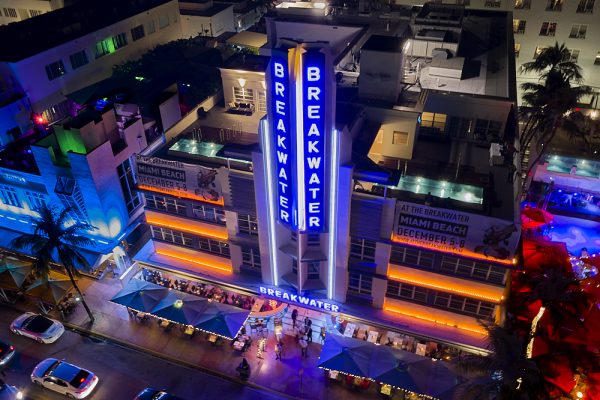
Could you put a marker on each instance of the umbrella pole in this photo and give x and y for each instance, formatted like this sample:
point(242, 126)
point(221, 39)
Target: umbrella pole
point(4, 296)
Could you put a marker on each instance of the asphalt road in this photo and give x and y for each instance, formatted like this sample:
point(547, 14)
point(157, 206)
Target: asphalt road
point(123, 372)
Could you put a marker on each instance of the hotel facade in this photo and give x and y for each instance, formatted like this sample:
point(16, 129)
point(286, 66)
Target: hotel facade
point(371, 198)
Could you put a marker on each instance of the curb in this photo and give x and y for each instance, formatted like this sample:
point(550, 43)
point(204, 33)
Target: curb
point(163, 356)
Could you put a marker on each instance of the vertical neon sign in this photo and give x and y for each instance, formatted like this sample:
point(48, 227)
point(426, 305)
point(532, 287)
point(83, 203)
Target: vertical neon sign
point(281, 125)
point(313, 109)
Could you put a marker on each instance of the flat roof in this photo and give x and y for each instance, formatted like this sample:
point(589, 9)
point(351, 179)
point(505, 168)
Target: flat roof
point(32, 36)
point(247, 62)
point(209, 12)
point(248, 38)
point(388, 44)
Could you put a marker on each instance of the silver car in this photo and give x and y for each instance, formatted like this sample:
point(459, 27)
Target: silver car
point(7, 352)
point(37, 327)
point(8, 392)
point(64, 378)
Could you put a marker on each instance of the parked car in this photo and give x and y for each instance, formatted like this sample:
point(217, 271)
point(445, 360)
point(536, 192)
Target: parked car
point(155, 394)
point(6, 353)
point(64, 378)
point(8, 392)
point(37, 327)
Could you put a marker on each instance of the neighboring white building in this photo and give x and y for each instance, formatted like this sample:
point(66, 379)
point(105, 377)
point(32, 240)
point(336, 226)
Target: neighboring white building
point(205, 18)
point(18, 10)
point(78, 45)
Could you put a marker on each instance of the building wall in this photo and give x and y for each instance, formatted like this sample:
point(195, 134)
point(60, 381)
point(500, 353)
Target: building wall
point(18, 10)
point(44, 93)
point(214, 25)
point(15, 120)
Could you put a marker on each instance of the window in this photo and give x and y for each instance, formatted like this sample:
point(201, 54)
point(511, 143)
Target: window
point(465, 305)
point(404, 291)
point(262, 101)
point(163, 21)
point(435, 121)
point(473, 269)
point(522, 4)
point(597, 59)
point(132, 197)
point(578, 31)
point(213, 246)
point(10, 12)
point(554, 5)
point(137, 32)
point(460, 127)
point(150, 27)
point(574, 55)
point(493, 4)
point(78, 59)
point(247, 224)
point(251, 258)
point(35, 13)
point(585, 6)
point(120, 40)
point(241, 95)
point(400, 138)
point(362, 249)
point(313, 239)
point(68, 192)
point(519, 25)
point(209, 214)
point(172, 236)
point(463, 2)
point(36, 200)
point(104, 47)
point(359, 283)
point(167, 204)
point(538, 51)
point(548, 29)
point(410, 256)
point(313, 269)
point(517, 49)
point(487, 131)
point(9, 196)
point(55, 70)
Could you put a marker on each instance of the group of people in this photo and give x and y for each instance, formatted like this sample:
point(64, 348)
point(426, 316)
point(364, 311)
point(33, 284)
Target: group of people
point(67, 305)
point(304, 334)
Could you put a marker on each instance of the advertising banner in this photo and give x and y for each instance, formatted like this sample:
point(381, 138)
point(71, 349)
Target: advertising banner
point(457, 232)
point(178, 179)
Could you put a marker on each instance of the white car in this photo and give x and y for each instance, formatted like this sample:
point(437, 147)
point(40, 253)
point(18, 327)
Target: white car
point(37, 327)
point(8, 392)
point(64, 378)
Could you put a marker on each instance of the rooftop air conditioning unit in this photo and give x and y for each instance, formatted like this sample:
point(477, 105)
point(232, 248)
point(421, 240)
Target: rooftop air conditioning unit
point(441, 53)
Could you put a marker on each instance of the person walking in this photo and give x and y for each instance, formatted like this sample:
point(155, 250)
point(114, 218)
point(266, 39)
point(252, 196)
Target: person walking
point(278, 351)
point(294, 317)
point(304, 346)
point(309, 334)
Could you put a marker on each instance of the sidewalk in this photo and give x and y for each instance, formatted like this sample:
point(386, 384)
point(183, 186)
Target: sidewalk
point(283, 377)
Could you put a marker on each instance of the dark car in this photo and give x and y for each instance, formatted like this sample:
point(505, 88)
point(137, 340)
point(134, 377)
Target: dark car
point(155, 394)
point(6, 353)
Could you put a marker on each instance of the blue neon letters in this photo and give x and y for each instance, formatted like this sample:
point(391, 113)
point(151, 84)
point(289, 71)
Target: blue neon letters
point(307, 301)
point(314, 98)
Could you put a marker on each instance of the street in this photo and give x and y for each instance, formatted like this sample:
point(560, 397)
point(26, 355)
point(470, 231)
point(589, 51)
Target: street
point(123, 372)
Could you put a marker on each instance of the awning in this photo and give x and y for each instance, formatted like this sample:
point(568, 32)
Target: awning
point(222, 319)
point(51, 291)
point(140, 295)
point(180, 307)
point(346, 355)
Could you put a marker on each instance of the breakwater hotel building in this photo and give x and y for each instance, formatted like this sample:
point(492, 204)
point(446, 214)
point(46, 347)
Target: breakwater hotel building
point(353, 168)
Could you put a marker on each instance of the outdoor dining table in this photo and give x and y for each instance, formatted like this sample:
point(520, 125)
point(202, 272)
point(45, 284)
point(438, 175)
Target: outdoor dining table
point(373, 336)
point(189, 330)
point(213, 338)
point(349, 330)
point(164, 323)
point(239, 344)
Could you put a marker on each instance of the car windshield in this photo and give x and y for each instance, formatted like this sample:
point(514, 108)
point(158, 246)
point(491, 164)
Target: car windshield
point(4, 348)
point(51, 368)
point(78, 379)
point(37, 324)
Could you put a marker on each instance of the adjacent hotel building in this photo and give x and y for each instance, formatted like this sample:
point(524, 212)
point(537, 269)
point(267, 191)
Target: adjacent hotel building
point(356, 163)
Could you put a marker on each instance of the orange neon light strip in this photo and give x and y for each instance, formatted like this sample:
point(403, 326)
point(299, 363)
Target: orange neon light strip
point(444, 288)
point(463, 252)
point(450, 324)
point(165, 222)
point(178, 193)
point(186, 258)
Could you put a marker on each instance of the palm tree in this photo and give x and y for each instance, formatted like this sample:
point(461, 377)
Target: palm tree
point(504, 373)
point(53, 235)
point(547, 103)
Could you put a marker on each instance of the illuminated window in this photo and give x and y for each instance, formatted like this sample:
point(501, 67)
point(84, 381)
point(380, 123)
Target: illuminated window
point(362, 249)
point(585, 6)
point(55, 70)
point(104, 47)
point(78, 59)
point(538, 51)
point(10, 12)
point(487, 131)
point(120, 40)
point(554, 5)
point(150, 27)
point(522, 4)
point(209, 214)
point(405, 255)
point(359, 283)
point(163, 21)
point(493, 4)
point(548, 29)
point(597, 59)
point(9, 196)
point(517, 49)
point(519, 25)
point(574, 55)
point(172, 236)
point(473, 269)
point(137, 33)
point(242, 95)
point(251, 258)
point(36, 200)
point(167, 204)
point(262, 101)
point(213, 246)
point(405, 291)
point(132, 197)
point(247, 224)
point(435, 121)
point(400, 138)
point(578, 31)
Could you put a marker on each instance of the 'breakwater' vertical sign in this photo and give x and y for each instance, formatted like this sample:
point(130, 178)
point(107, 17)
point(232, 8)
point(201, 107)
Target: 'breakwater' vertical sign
point(314, 137)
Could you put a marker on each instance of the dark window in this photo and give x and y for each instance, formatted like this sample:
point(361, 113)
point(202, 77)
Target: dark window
point(405, 291)
point(313, 239)
point(405, 255)
point(120, 40)
point(55, 70)
point(362, 249)
point(585, 6)
point(313, 269)
point(207, 213)
point(167, 204)
point(247, 224)
point(137, 33)
point(359, 283)
point(132, 197)
point(251, 258)
point(9, 196)
point(78, 59)
point(214, 246)
point(172, 236)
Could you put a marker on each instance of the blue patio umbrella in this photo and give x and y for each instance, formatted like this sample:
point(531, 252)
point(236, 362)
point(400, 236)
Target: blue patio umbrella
point(442, 381)
point(347, 355)
point(140, 295)
point(222, 319)
point(180, 307)
point(400, 368)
